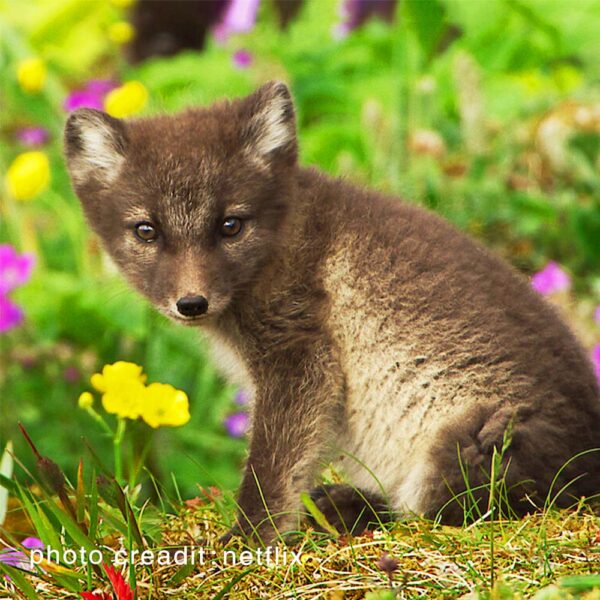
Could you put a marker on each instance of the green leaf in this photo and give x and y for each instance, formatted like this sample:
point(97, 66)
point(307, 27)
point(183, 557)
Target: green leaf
point(427, 18)
point(70, 526)
point(41, 523)
point(20, 581)
point(316, 514)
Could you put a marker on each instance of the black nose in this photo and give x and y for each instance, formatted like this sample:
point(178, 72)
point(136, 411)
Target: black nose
point(192, 306)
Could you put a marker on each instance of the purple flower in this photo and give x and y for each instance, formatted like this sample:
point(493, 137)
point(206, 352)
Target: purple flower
point(239, 17)
point(242, 59)
point(354, 13)
point(236, 424)
point(551, 279)
point(32, 136)
point(11, 314)
point(32, 542)
point(18, 559)
point(13, 558)
point(91, 96)
point(83, 99)
point(242, 398)
point(15, 269)
point(596, 361)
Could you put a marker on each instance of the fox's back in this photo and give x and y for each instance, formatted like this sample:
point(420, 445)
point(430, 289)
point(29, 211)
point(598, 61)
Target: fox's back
point(431, 327)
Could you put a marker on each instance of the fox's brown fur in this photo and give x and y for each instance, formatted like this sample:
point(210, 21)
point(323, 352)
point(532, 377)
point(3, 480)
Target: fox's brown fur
point(371, 332)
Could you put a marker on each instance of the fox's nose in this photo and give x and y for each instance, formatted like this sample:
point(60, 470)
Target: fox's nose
point(192, 306)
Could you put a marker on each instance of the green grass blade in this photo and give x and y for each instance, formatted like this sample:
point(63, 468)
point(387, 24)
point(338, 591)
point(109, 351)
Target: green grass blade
point(316, 514)
point(20, 581)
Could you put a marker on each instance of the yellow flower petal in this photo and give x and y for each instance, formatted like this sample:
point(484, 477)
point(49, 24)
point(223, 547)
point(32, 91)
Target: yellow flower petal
point(121, 32)
point(115, 375)
point(126, 100)
point(126, 399)
point(28, 175)
point(86, 400)
point(165, 405)
point(31, 74)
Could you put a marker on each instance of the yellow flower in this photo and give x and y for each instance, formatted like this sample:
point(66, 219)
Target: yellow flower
point(124, 394)
point(165, 405)
point(31, 74)
point(28, 175)
point(125, 399)
point(115, 375)
point(126, 100)
point(86, 400)
point(121, 32)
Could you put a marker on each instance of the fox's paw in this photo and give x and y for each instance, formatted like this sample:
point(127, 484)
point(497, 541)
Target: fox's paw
point(350, 510)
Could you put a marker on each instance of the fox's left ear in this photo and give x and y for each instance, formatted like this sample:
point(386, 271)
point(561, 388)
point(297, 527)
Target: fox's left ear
point(269, 134)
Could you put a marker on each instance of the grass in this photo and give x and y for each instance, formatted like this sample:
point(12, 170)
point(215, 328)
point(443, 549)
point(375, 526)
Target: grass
point(175, 551)
point(434, 561)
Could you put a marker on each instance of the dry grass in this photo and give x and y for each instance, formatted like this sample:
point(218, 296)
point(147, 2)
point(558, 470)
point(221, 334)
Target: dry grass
point(433, 561)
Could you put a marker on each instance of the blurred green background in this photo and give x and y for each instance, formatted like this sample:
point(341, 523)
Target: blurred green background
point(486, 112)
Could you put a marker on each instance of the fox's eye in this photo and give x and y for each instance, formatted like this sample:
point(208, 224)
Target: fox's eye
point(146, 232)
point(231, 226)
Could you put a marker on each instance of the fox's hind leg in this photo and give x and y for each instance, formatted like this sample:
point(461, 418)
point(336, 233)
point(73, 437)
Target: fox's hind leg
point(537, 463)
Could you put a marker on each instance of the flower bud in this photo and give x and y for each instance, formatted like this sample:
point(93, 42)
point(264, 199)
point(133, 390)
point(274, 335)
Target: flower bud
point(86, 400)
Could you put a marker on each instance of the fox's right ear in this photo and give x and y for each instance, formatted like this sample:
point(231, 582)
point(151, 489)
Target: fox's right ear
point(95, 146)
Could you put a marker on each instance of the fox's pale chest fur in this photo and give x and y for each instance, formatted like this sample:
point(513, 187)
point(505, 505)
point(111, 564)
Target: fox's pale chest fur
point(369, 332)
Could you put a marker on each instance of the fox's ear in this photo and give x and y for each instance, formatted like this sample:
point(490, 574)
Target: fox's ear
point(95, 146)
point(269, 135)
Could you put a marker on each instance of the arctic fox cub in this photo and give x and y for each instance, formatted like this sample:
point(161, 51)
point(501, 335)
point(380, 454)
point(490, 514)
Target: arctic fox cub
point(371, 333)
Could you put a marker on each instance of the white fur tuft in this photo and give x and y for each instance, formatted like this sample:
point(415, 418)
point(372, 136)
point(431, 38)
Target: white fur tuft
point(99, 152)
point(276, 131)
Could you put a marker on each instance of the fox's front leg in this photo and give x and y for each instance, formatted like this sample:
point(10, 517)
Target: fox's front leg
point(297, 413)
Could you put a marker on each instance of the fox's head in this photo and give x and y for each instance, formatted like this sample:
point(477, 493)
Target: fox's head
point(191, 206)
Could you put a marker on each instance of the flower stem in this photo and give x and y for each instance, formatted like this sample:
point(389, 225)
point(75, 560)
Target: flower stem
point(117, 442)
point(98, 418)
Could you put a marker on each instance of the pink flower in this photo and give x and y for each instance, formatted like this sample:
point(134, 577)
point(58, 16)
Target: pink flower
point(32, 136)
point(239, 17)
point(237, 424)
point(32, 542)
point(551, 279)
point(15, 269)
point(11, 314)
point(597, 314)
point(91, 96)
point(83, 99)
point(242, 59)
